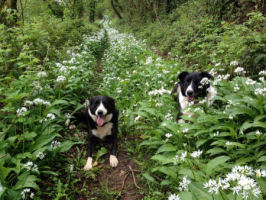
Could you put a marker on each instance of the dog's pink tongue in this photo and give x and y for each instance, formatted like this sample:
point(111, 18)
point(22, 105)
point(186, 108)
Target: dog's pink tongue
point(100, 121)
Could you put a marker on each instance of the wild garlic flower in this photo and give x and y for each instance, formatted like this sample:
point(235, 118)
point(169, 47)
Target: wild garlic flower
point(39, 101)
point(61, 79)
point(160, 91)
point(260, 91)
point(30, 166)
point(183, 156)
point(205, 81)
point(234, 63)
point(249, 81)
point(137, 118)
point(55, 144)
point(42, 74)
point(240, 70)
point(22, 111)
point(262, 73)
point(196, 154)
point(40, 155)
point(24, 193)
point(1, 188)
point(168, 135)
point(185, 130)
point(174, 197)
point(183, 185)
point(50, 116)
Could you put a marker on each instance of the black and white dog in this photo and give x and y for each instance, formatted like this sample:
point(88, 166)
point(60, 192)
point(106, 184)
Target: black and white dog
point(102, 120)
point(190, 88)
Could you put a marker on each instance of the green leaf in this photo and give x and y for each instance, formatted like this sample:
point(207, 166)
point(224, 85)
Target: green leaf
point(148, 177)
point(262, 159)
point(166, 148)
point(100, 153)
point(65, 146)
point(215, 162)
point(162, 159)
point(166, 170)
point(42, 140)
point(26, 180)
point(198, 192)
point(186, 195)
point(215, 150)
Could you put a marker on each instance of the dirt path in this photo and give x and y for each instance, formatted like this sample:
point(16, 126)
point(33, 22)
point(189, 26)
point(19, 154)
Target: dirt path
point(121, 178)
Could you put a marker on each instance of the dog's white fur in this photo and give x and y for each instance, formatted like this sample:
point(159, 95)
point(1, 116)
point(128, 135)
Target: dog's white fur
point(183, 101)
point(103, 131)
point(88, 165)
point(101, 108)
point(113, 161)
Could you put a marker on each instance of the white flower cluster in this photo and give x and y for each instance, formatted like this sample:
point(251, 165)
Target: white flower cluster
point(30, 166)
point(181, 158)
point(174, 197)
point(159, 91)
point(220, 77)
point(148, 61)
point(37, 101)
point(40, 155)
point(240, 70)
point(205, 81)
point(55, 144)
point(249, 81)
point(61, 79)
point(234, 63)
point(42, 74)
point(262, 73)
point(137, 118)
point(260, 91)
point(22, 111)
point(239, 181)
point(196, 154)
point(169, 117)
point(183, 185)
point(24, 193)
point(49, 117)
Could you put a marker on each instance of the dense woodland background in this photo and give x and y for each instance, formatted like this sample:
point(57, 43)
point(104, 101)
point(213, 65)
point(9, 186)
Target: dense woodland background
point(50, 53)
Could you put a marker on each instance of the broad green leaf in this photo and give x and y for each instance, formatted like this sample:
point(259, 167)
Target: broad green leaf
point(42, 140)
point(215, 162)
point(148, 177)
point(100, 153)
point(162, 159)
point(26, 180)
point(198, 192)
point(165, 170)
point(66, 145)
point(186, 195)
point(166, 148)
point(215, 150)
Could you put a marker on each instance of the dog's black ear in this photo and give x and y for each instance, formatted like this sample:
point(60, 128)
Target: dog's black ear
point(182, 75)
point(206, 74)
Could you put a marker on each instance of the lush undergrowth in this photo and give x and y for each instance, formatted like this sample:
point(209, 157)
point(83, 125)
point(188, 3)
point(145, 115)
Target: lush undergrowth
point(201, 40)
point(217, 154)
point(34, 109)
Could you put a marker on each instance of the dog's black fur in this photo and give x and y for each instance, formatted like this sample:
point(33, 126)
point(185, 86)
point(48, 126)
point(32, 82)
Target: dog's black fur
point(101, 108)
point(189, 88)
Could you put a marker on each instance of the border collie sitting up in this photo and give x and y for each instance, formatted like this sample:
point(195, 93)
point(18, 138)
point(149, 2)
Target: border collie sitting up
point(190, 87)
point(102, 120)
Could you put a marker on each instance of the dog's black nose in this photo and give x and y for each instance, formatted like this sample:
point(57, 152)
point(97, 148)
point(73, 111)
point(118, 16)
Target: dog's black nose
point(100, 112)
point(189, 93)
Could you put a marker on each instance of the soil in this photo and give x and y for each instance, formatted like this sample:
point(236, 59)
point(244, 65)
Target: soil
point(114, 178)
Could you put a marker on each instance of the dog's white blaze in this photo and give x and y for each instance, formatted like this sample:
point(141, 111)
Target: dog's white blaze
point(113, 161)
point(103, 131)
point(182, 99)
point(101, 108)
point(94, 117)
point(88, 165)
point(189, 88)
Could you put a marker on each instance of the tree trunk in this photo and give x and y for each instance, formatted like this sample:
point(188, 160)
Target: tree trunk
point(116, 11)
point(92, 10)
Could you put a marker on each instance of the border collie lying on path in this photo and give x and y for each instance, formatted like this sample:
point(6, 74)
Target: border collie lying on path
point(102, 120)
point(190, 87)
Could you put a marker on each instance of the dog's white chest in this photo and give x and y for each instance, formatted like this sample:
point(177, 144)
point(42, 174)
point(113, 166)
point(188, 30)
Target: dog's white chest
point(103, 131)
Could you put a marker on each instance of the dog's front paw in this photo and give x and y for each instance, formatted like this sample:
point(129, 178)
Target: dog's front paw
point(113, 161)
point(88, 165)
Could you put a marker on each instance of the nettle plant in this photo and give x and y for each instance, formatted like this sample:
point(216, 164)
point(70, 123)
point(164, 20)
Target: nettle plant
point(194, 157)
point(35, 107)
